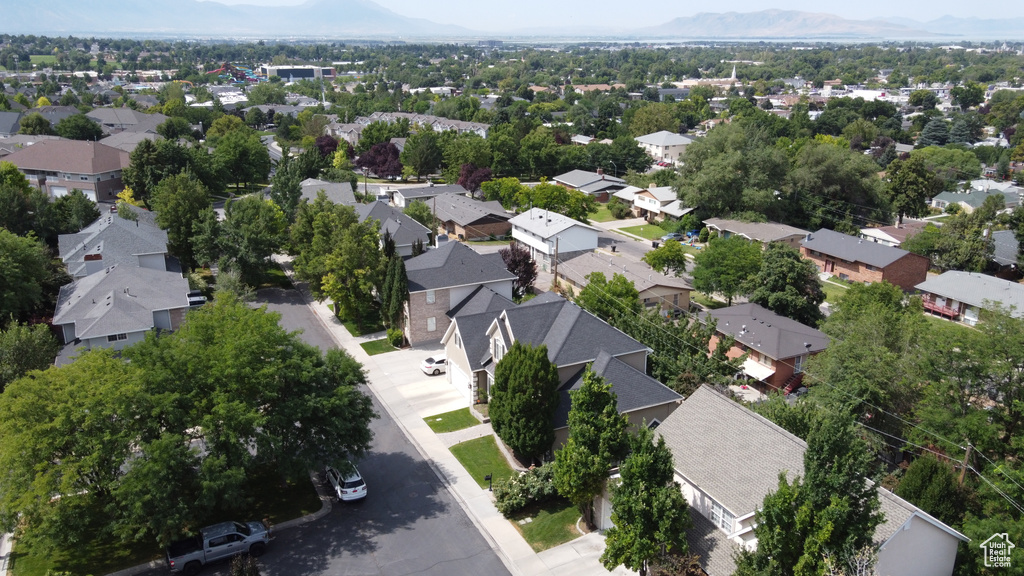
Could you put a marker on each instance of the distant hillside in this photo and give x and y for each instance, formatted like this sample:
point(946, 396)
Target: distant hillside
point(779, 24)
point(969, 28)
point(331, 18)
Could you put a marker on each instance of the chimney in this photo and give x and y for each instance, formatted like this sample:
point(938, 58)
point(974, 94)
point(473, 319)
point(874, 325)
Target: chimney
point(600, 172)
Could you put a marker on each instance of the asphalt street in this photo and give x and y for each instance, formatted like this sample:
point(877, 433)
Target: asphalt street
point(409, 522)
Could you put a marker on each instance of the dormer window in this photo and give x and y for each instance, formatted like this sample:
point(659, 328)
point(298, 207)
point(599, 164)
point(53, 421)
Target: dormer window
point(499, 350)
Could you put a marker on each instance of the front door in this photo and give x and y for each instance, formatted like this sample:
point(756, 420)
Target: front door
point(830, 266)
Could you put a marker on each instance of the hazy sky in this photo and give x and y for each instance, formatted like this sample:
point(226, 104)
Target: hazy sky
point(518, 14)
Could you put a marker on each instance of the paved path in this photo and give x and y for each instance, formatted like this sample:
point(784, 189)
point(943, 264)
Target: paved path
point(409, 397)
point(459, 436)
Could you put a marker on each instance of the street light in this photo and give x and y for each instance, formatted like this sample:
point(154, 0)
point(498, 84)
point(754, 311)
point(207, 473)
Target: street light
point(615, 169)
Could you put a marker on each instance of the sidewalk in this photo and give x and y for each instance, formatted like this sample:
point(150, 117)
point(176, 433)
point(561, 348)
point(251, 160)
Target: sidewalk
point(409, 397)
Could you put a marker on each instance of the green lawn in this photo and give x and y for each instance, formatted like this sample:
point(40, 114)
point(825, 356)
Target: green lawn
point(451, 421)
point(368, 323)
point(481, 457)
point(603, 214)
point(43, 58)
point(648, 231)
point(277, 499)
point(552, 523)
point(374, 347)
point(832, 291)
point(707, 301)
point(275, 278)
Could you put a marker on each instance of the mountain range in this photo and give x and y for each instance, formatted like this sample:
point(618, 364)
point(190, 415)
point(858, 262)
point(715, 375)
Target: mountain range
point(365, 19)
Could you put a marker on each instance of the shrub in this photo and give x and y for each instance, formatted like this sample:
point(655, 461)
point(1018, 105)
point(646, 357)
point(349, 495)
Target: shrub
point(518, 492)
point(619, 209)
point(396, 337)
point(704, 233)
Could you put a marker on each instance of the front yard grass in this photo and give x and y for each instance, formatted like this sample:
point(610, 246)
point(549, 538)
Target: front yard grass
point(648, 231)
point(374, 347)
point(551, 523)
point(707, 301)
point(832, 291)
point(481, 457)
point(275, 277)
point(603, 214)
point(367, 323)
point(275, 499)
point(451, 421)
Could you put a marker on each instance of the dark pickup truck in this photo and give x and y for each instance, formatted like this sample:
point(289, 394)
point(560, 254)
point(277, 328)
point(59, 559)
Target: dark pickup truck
point(215, 542)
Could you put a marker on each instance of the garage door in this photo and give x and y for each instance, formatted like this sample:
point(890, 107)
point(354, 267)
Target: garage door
point(460, 380)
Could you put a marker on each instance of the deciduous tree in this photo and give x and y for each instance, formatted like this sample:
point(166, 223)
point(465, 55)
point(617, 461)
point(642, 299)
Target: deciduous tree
point(24, 348)
point(668, 258)
point(78, 127)
point(726, 266)
point(178, 202)
point(252, 231)
point(518, 261)
point(616, 301)
point(24, 271)
point(788, 285)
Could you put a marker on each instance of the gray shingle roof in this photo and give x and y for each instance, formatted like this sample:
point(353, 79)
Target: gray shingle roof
point(403, 229)
point(481, 299)
point(853, 249)
point(633, 389)
point(641, 275)
point(975, 198)
point(118, 300)
point(72, 156)
point(580, 178)
point(735, 456)
point(430, 191)
point(715, 549)
point(10, 122)
point(128, 141)
point(126, 119)
point(760, 231)
point(453, 264)
point(118, 240)
point(545, 223)
point(975, 289)
point(1005, 247)
point(572, 335)
point(664, 138)
point(337, 192)
point(463, 210)
point(765, 331)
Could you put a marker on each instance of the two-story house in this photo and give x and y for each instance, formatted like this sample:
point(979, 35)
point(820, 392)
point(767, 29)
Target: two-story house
point(858, 260)
point(59, 166)
point(658, 203)
point(777, 347)
point(664, 146)
point(547, 234)
point(441, 279)
point(727, 459)
point(111, 240)
point(462, 217)
point(404, 231)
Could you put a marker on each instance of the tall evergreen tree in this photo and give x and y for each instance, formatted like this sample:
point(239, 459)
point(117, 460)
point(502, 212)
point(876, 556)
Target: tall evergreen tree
point(524, 398)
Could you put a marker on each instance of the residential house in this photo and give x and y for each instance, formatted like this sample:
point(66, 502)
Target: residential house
point(656, 289)
point(405, 196)
point(475, 343)
point(777, 347)
point(404, 230)
point(972, 200)
point(438, 123)
point(336, 192)
point(664, 146)
point(442, 279)
point(464, 218)
point(644, 400)
point(1005, 249)
point(59, 166)
point(596, 184)
point(896, 234)
point(727, 459)
point(763, 232)
point(659, 203)
point(12, 144)
point(961, 296)
point(116, 306)
point(128, 141)
point(53, 113)
point(115, 120)
point(10, 123)
point(857, 260)
point(549, 235)
point(111, 240)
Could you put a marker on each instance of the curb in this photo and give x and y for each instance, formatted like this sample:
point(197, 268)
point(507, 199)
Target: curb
point(326, 505)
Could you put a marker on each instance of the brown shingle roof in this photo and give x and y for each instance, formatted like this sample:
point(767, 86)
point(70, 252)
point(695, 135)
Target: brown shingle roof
point(71, 156)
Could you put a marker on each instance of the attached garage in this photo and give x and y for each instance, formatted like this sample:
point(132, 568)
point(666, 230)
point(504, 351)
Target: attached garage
point(460, 380)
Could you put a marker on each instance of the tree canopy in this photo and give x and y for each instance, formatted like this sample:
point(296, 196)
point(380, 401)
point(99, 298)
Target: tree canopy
point(788, 285)
point(524, 397)
point(726, 266)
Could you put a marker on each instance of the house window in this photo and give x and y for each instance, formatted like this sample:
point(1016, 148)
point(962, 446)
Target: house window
point(458, 340)
point(499, 350)
point(798, 364)
point(870, 267)
point(721, 517)
point(431, 324)
point(116, 337)
point(430, 297)
point(654, 424)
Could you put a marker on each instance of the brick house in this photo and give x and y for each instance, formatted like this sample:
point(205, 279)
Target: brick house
point(464, 218)
point(441, 280)
point(59, 166)
point(858, 260)
point(777, 347)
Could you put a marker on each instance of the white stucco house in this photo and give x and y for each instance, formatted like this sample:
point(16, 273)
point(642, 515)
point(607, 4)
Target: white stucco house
point(544, 233)
point(728, 458)
point(664, 146)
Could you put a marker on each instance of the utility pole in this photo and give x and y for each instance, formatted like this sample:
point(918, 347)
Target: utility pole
point(967, 461)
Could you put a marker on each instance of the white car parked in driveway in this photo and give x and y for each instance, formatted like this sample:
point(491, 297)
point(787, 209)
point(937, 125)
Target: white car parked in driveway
point(347, 485)
point(434, 365)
